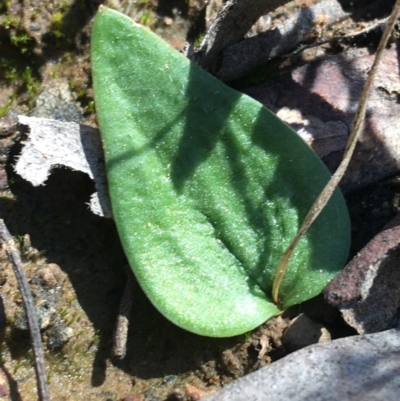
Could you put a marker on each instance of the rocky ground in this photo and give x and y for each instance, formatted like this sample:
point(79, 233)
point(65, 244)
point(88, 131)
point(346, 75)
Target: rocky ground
point(73, 258)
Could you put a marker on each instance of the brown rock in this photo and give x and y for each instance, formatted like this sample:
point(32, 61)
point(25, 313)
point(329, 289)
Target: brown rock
point(319, 101)
point(7, 126)
point(3, 179)
point(4, 385)
point(195, 393)
point(367, 291)
point(51, 275)
point(136, 397)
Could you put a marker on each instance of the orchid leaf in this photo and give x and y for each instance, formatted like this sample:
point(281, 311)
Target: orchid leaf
point(207, 187)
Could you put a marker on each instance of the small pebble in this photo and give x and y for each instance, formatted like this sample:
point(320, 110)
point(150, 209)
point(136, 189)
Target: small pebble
point(58, 335)
point(50, 275)
point(169, 379)
point(195, 393)
point(302, 332)
point(176, 395)
point(3, 179)
point(34, 26)
point(45, 311)
point(4, 386)
point(7, 126)
point(136, 397)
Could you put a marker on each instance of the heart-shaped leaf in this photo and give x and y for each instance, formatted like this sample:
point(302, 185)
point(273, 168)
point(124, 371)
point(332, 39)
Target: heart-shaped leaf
point(207, 187)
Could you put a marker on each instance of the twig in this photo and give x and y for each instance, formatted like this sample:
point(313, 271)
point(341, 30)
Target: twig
point(326, 193)
point(121, 330)
point(33, 323)
point(376, 25)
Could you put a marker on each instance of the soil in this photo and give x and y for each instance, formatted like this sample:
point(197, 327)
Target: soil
point(74, 260)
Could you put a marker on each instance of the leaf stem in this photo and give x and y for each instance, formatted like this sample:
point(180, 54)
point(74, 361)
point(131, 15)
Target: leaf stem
point(327, 192)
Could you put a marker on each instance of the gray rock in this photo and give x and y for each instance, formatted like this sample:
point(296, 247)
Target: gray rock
point(54, 143)
point(56, 102)
point(349, 369)
point(58, 335)
point(45, 311)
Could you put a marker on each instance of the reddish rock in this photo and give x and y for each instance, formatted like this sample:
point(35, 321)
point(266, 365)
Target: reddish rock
point(367, 291)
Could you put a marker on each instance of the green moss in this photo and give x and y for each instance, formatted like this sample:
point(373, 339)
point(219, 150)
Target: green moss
point(80, 92)
point(198, 40)
point(11, 21)
point(72, 319)
point(20, 39)
point(57, 24)
point(7, 4)
point(8, 70)
point(5, 108)
point(57, 21)
point(146, 18)
point(32, 85)
point(90, 108)
point(247, 336)
point(64, 5)
point(68, 57)
point(63, 313)
point(57, 17)
point(17, 35)
point(20, 79)
point(35, 15)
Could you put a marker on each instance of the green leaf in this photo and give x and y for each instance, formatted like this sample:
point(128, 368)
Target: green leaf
point(207, 187)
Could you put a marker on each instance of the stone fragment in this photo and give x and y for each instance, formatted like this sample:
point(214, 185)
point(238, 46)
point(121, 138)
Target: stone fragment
point(349, 369)
point(319, 101)
point(367, 291)
point(54, 143)
point(281, 35)
point(4, 385)
point(56, 102)
point(7, 126)
point(58, 335)
point(302, 332)
point(51, 275)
